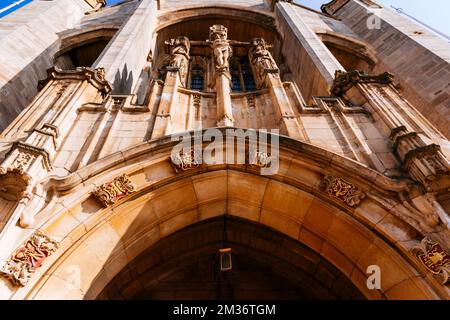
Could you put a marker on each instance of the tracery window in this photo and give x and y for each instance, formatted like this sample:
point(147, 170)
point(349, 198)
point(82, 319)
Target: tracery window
point(241, 75)
point(197, 74)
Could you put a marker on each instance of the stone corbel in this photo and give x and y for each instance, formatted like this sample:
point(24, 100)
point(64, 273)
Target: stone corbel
point(96, 77)
point(425, 163)
point(344, 81)
point(22, 166)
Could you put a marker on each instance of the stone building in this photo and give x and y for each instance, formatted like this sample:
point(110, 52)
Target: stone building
point(94, 204)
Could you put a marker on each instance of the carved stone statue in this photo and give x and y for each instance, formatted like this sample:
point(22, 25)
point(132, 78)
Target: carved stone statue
point(222, 50)
point(179, 54)
point(260, 57)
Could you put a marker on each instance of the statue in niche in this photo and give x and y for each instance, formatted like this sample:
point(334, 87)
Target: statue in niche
point(179, 54)
point(222, 50)
point(261, 58)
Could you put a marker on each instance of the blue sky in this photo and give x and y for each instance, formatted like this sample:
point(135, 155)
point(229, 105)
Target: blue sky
point(431, 12)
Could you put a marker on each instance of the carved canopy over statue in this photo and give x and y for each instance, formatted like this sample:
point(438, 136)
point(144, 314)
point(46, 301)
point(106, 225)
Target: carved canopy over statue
point(222, 50)
point(261, 58)
point(179, 54)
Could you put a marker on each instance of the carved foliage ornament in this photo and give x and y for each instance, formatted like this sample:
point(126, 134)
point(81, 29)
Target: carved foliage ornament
point(28, 258)
point(111, 192)
point(342, 190)
point(434, 258)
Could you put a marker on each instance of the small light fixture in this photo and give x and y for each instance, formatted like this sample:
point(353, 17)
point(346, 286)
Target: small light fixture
point(225, 259)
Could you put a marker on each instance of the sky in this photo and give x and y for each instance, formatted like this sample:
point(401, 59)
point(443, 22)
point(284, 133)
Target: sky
point(435, 13)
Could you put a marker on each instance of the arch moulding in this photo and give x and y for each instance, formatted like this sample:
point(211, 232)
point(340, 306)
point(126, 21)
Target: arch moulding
point(99, 241)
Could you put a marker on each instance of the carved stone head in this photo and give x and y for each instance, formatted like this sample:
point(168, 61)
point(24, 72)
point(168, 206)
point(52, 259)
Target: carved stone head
point(178, 45)
point(218, 32)
point(258, 47)
point(258, 42)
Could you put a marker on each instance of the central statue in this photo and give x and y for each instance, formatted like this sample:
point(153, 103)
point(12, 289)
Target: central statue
point(222, 50)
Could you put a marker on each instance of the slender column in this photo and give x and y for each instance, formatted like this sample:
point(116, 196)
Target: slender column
point(29, 160)
point(222, 51)
point(412, 138)
point(176, 76)
point(267, 74)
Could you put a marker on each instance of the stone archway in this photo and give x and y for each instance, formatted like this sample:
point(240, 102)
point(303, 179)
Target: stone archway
point(98, 243)
point(266, 265)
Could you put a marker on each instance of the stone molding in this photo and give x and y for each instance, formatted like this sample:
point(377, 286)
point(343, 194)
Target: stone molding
point(96, 77)
point(333, 6)
point(344, 81)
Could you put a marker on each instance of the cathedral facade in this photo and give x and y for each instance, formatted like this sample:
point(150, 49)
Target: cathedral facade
point(257, 149)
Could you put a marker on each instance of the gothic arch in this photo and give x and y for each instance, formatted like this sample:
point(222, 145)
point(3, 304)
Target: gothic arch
point(94, 39)
point(353, 54)
point(101, 242)
point(217, 12)
point(194, 22)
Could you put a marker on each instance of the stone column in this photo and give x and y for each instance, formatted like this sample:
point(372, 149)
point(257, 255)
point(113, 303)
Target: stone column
point(33, 33)
point(126, 54)
point(267, 74)
point(29, 160)
point(222, 51)
point(176, 76)
point(304, 52)
point(412, 137)
point(418, 57)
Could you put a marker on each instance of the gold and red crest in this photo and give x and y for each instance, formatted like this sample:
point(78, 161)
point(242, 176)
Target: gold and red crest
point(28, 258)
point(434, 258)
point(111, 192)
point(343, 190)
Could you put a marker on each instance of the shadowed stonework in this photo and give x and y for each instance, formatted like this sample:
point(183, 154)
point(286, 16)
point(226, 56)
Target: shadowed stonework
point(247, 150)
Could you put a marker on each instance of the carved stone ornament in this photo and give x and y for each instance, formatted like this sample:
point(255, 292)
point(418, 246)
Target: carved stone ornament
point(197, 99)
point(28, 258)
point(260, 159)
point(434, 258)
point(344, 81)
point(111, 192)
point(179, 54)
point(222, 50)
point(15, 178)
point(96, 77)
point(186, 160)
point(261, 58)
point(342, 190)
